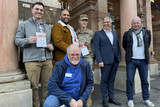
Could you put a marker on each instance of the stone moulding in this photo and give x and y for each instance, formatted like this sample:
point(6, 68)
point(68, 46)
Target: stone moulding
point(11, 75)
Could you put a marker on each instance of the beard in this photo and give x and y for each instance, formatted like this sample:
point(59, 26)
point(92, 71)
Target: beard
point(74, 61)
point(66, 21)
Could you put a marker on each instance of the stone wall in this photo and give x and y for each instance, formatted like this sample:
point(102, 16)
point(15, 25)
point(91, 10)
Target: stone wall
point(156, 29)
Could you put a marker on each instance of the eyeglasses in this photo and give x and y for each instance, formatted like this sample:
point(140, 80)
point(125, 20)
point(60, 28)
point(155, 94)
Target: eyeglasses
point(72, 55)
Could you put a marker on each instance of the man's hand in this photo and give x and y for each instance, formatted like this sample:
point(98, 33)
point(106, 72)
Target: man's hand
point(80, 103)
point(50, 47)
point(101, 64)
point(32, 39)
point(73, 103)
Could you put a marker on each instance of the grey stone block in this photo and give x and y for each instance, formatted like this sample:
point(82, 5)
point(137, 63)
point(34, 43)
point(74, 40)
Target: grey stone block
point(15, 86)
point(16, 99)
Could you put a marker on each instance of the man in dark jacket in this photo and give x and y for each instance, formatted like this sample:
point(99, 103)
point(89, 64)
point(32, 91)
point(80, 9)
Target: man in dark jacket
point(136, 42)
point(71, 81)
point(108, 56)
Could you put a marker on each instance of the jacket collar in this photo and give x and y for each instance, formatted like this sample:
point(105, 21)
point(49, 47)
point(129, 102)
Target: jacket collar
point(32, 19)
point(143, 31)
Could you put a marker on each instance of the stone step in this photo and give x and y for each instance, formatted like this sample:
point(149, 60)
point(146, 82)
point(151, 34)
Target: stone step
point(14, 86)
point(21, 98)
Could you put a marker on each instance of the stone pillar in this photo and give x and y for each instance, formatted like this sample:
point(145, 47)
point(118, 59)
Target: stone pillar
point(14, 89)
point(146, 16)
point(128, 9)
point(102, 11)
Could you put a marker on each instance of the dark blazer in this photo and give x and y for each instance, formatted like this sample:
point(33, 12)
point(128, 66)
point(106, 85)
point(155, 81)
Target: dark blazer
point(128, 43)
point(104, 51)
point(57, 77)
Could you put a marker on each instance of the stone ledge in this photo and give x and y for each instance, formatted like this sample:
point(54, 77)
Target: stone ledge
point(16, 99)
point(15, 86)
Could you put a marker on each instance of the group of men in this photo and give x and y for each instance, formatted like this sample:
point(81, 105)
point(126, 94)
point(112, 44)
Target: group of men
point(71, 81)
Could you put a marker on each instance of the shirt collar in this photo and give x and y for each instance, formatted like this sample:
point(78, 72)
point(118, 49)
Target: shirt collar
point(107, 31)
point(42, 22)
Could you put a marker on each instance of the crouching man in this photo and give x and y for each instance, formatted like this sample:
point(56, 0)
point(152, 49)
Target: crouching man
point(71, 81)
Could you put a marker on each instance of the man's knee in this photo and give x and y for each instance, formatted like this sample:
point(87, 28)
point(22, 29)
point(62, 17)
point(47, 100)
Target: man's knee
point(48, 104)
point(51, 101)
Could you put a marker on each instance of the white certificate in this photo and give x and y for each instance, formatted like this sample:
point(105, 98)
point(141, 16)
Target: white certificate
point(84, 50)
point(41, 39)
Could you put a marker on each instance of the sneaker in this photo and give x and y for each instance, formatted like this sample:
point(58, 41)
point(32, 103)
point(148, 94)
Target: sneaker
point(149, 103)
point(130, 103)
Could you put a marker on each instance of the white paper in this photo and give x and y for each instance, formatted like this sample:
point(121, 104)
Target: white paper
point(84, 50)
point(41, 39)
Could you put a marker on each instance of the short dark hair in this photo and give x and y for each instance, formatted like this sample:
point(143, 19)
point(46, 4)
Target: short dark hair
point(38, 3)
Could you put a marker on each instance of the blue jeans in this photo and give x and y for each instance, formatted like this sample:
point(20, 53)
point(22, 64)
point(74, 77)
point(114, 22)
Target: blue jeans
point(52, 101)
point(142, 66)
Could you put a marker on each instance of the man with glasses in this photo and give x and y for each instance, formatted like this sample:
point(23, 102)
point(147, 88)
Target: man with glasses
point(85, 38)
point(71, 81)
point(36, 56)
point(63, 35)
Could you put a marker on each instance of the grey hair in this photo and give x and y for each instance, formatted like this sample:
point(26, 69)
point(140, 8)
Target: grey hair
point(68, 48)
point(136, 17)
point(107, 17)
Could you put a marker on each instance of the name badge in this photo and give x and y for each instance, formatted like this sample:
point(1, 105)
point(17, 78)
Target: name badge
point(68, 74)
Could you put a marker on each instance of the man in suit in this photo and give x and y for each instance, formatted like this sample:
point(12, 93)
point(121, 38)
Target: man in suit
point(108, 56)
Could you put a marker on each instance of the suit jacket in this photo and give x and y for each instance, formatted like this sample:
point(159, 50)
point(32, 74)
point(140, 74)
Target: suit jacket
point(104, 51)
point(61, 38)
point(128, 43)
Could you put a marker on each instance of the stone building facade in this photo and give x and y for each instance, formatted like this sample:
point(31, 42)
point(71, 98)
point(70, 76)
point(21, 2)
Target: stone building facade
point(12, 80)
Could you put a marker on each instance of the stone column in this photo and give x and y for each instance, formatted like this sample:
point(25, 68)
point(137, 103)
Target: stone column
point(8, 53)
point(102, 11)
point(128, 9)
point(11, 83)
point(146, 16)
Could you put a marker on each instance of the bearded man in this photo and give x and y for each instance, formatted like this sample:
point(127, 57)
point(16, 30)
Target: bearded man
point(71, 81)
point(63, 35)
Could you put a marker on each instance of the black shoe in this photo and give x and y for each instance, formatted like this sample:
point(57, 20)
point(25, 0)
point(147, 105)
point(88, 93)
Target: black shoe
point(105, 103)
point(113, 101)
